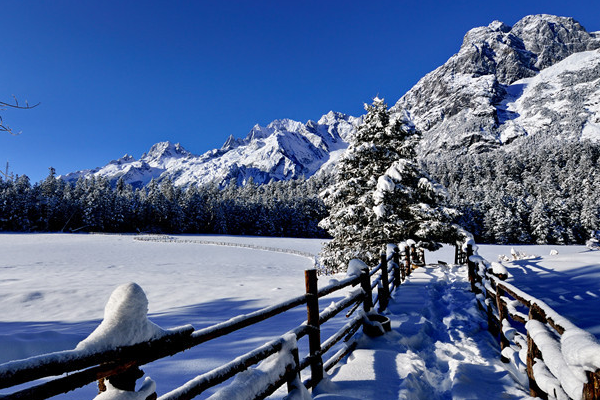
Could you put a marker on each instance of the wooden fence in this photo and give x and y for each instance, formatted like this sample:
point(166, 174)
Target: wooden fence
point(70, 369)
point(523, 321)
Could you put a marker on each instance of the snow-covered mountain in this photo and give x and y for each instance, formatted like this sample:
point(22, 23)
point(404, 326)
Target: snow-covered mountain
point(284, 149)
point(538, 77)
point(541, 75)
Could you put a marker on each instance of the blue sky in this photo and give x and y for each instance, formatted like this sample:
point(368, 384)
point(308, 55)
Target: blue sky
point(115, 77)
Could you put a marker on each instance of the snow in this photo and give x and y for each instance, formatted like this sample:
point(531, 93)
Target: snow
point(147, 388)
point(355, 267)
point(438, 348)
point(125, 321)
point(250, 383)
point(54, 287)
point(498, 269)
point(571, 382)
point(517, 115)
point(282, 150)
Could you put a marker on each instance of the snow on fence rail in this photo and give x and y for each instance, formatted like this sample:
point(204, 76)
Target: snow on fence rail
point(561, 360)
point(279, 359)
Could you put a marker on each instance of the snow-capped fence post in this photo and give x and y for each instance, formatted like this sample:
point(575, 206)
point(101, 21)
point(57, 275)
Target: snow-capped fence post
point(396, 258)
point(533, 353)
point(314, 334)
point(384, 289)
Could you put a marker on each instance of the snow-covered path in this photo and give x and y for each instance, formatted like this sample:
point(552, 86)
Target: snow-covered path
point(439, 348)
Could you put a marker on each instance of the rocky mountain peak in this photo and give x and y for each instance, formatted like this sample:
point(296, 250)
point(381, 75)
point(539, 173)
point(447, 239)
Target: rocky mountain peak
point(552, 38)
point(460, 106)
point(164, 150)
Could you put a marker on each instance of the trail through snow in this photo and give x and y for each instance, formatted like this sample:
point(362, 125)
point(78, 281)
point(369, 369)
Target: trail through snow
point(439, 348)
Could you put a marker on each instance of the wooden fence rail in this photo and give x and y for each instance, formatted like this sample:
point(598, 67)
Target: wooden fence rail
point(523, 321)
point(71, 369)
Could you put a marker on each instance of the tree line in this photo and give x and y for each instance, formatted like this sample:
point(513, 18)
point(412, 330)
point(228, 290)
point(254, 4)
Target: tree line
point(544, 191)
point(282, 208)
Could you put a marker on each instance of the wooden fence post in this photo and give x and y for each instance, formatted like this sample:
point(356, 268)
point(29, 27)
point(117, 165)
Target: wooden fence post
point(471, 267)
point(365, 284)
point(591, 390)
point(502, 313)
point(384, 289)
point(407, 259)
point(294, 377)
point(532, 353)
point(456, 260)
point(314, 335)
point(397, 267)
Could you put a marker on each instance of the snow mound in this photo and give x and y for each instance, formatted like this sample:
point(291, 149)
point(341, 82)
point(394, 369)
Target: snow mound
point(355, 267)
point(125, 321)
point(148, 388)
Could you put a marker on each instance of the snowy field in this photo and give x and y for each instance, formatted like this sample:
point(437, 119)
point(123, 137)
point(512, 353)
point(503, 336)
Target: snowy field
point(53, 289)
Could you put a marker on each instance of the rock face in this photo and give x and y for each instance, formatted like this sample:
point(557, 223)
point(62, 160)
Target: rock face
point(462, 105)
point(284, 149)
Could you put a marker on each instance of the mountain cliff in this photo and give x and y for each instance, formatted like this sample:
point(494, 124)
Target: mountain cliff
point(507, 82)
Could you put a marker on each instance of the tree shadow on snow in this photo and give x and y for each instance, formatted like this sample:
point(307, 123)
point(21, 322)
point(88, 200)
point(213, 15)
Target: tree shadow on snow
point(573, 293)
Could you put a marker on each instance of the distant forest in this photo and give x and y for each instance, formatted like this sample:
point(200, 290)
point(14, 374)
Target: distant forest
point(283, 208)
point(542, 191)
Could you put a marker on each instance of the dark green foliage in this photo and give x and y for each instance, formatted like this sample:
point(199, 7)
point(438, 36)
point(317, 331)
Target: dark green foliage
point(543, 191)
point(363, 216)
point(290, 208)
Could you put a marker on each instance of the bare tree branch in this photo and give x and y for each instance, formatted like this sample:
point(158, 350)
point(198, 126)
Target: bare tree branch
point(4, 106)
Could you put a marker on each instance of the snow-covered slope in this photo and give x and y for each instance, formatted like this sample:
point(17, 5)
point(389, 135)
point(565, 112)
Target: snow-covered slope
point(463, 105)
point(284, 149)
point(538, 77)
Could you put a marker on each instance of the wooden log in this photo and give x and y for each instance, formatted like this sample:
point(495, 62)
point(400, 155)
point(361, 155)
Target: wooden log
point(471, 267)
point(396, 275)
point(314, 335)
point(384, 289)
point(591, 390)
point(365, 283)
point(533, 353)
point(502, 313)
point(456, 253)
point(407, 260)
point(295, 375)
point(414, 258)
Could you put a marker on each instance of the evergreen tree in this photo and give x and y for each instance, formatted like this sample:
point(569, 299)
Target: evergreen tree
point(356, 229)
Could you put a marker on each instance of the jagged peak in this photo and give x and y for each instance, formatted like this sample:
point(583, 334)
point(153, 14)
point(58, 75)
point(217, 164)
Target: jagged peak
point(499, 26)
point(333, 116)
point(125, 159)
point(166, 149)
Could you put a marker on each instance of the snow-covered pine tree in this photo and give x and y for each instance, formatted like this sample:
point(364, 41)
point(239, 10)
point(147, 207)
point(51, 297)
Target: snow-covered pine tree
point(410, 205)
point(379, 141)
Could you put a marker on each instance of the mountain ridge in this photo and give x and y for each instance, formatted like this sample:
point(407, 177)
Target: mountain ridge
point(538, 77)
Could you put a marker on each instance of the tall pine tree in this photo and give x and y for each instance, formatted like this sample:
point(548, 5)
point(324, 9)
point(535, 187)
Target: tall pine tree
point(357, 232)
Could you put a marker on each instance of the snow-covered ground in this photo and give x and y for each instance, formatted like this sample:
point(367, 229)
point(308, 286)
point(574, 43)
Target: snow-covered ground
point(53, 289)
